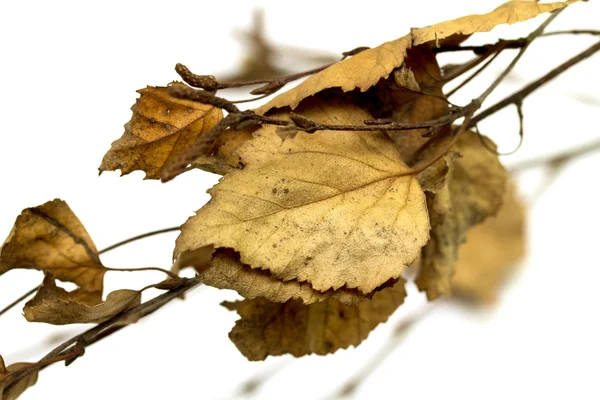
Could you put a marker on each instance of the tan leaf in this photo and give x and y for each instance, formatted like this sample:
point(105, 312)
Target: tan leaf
point(270, 329)
point(227, 272)
point(19, 387)
point(476, 187)
point(161, 128)
point(491, 251)
point(331, 209)
point(225, 158)
point(508, 13)
point(51, 238)
point(367, 68)
point(56, 306)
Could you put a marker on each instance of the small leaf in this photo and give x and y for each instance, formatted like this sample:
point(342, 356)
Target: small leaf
point(490, 252)
point(54, 305)
point(271, 329)
point(51, 238)
point(18, 388)
point(331, 208)
point(476, 186)
point(160, 129)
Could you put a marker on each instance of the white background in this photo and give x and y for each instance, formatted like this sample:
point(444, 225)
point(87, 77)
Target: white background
point(69, 72)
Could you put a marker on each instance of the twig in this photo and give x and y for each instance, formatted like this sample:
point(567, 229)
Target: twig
point(527, 90)
point(20, 299)
point(100, 331)
point(556, 159)
point(138, 237)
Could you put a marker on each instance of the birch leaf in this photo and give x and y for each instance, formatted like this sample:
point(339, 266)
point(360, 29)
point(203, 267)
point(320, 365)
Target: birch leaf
point(476, 187)
point(271, 329)
point(332, 209)
point(508, 13)
point(19, 387)
point(227, 272)
point(161, 128)
point(491, 251)
point(54, 305)
point(51, 238)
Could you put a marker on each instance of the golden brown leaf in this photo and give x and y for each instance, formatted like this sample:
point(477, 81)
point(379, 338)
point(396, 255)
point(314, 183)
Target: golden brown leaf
point(51, 238)
point(331, 209)
point(491, 250)
point(56, 306)
point(18, 388)
point(226, 158)
point(161, 128)
point(367, 68)
point(270, 329)
point(476, 186)
point(227, 272)
point(508, 13)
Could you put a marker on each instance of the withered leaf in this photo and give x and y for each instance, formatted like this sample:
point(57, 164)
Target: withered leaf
point(161, 128)
point(19, 387)
point(54, 305)
point(270, 329)
point(51, 238)
point(331, 209)
point(476, 186)
point(508, 13)
point(490, 252)
point(225, 158)
point(227, 272)
point(368, 67)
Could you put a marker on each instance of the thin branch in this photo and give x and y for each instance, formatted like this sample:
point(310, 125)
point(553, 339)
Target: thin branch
point(527, 90)
point(573, 32)
point(138, 237)
point(65, 352)
point(556, 159)
point(20, 299)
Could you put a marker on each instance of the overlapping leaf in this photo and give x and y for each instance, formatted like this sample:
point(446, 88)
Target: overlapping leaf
point(333, 208)
point(161, 128)
point(270, 329)
point(19, 387)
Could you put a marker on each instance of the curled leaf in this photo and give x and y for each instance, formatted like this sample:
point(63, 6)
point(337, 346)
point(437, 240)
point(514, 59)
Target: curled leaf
point(270, 329)
point(17, 388)
point(160, 129)
point(51, 238)
point(54, 305)
point(331, 208)
point(476, 187)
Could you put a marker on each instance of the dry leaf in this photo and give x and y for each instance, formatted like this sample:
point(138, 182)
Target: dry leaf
point(17, 389)
point(332, 208)
point(267, 328)
point(508, 13)
point(225, 158)
point(161, 128)
point(491, 250)
point(51, 238)
point(476, 187)
point(365, 69)
point(56, 306)
point(227, 272)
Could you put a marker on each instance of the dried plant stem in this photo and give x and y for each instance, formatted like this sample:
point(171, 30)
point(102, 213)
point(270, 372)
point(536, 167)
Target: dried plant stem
point(73, 348)
point(20, 299)
point(138, 237)
point(556, 159)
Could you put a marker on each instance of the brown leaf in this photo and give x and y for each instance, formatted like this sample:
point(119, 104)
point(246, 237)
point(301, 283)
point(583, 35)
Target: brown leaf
point(267, 328)
point(331, 208)
point(51, 238)
point(56, 306)
point(19, 387)
point(476, 186)
point(508, 13)
point(491, 251)
point(161, 128)
point(227, 272)
point(368, 67)
point(225, 158)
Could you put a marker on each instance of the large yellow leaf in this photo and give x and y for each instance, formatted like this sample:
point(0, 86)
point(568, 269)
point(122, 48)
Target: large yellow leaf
point(508, 13)
point(161, 128)
point(365, 69)
point(476, 186)
point(270, 329)
point(491, 251)
point(227, 272)
point(332, 208)
point(55, 305)
point(51, 238)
